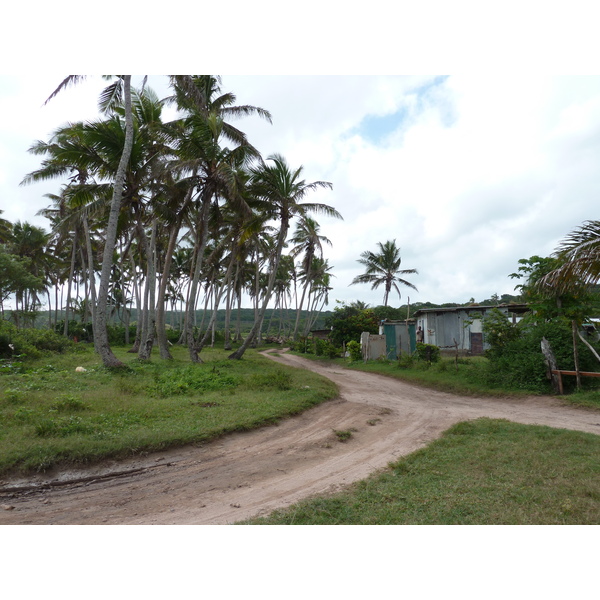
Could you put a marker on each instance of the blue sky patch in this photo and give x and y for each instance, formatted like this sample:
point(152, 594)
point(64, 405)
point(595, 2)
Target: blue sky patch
point(375, 128)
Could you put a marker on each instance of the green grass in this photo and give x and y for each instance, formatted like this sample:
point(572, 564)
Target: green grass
point(468, 377)
point(482, 472)
point(51, 415)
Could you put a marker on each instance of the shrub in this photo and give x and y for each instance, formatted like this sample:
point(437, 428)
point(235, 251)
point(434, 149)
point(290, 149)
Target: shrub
point(301, 345)
point(355, 350)
point(326, 348)
point(83, 332)
point(428, 352)
point(349, 322)
point(29, 343)
point(519, 362)
point(406, 361)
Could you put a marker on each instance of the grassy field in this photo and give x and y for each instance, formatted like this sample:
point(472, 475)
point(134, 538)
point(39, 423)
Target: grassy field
point(52, 415)
point(483, 472)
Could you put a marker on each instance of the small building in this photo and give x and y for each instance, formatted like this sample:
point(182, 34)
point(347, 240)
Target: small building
point(320, 334)
point(400, 337)
point(394, 338)
point(461, 326)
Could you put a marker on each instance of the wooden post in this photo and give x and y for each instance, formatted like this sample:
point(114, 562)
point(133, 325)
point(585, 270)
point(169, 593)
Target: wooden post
point(456, 354)
point(552, 366)
point(576, 355)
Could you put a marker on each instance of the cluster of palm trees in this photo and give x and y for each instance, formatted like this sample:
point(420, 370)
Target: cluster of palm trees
point(168, 213)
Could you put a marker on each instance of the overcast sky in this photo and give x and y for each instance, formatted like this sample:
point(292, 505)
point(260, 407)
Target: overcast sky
point(467, 173)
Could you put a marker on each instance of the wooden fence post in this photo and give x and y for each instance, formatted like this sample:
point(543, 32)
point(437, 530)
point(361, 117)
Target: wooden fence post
point(576, 354)
point(552, 366)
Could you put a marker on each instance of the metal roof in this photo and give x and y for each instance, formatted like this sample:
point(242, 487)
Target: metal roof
point(515, 308)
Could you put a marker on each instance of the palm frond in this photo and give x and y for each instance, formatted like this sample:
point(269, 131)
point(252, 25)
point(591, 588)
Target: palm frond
point(65, 83)
point(111, 97)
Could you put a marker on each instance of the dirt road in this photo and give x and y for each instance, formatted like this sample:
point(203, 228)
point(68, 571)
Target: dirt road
point(249, 474)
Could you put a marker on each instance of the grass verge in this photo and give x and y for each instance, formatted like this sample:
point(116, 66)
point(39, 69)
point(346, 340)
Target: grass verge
point(469, 376)
point(52, 415)
point(483, 472)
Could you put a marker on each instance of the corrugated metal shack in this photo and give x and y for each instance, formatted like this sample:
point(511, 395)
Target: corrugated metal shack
point(447, 327)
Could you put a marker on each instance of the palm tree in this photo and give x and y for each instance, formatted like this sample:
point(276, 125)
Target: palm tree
point(319, 290)
point(307, 240)
point(579, 254)
point(281, 190)
point(120, 90)
point(384, 268)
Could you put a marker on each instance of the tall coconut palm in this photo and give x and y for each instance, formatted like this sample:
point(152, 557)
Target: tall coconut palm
point(383, 268)
point(282, 191)
point(120, 91)
point(308, 242)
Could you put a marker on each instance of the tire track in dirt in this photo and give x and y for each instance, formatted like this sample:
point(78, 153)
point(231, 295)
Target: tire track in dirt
point(249, 474)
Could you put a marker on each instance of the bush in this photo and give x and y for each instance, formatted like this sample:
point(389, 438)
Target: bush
point(331, 350)
point(301, 345)
point(326, 348)
point(519, 362)
point(30, 343)
point(406, 361)
point(355, 350)
point(349, 322)
point(82, 332)
point(116, 334)
point(428, 352)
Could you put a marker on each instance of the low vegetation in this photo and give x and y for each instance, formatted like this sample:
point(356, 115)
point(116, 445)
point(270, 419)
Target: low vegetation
point(51, 414)
point(484, 472)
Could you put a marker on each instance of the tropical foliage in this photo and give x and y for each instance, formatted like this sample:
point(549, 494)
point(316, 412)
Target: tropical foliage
point(349, 321)
point(548, 301)
point(579, 259)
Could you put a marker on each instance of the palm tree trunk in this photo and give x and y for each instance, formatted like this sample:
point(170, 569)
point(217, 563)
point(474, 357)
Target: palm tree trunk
point(147, 339)
point(306, 284)
point(71, 277)
point(100, 324)
point(203, 233)
point(161, 330)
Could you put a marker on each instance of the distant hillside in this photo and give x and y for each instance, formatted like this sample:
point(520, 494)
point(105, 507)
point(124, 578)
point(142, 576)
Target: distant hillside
point(273, 322)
